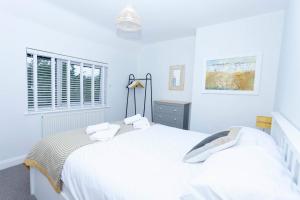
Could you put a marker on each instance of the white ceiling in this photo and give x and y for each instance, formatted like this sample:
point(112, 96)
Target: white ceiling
point(168, 19)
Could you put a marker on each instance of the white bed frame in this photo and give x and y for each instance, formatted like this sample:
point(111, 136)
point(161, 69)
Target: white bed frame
point(284, 133)
point(287, 137)
point(42, 190)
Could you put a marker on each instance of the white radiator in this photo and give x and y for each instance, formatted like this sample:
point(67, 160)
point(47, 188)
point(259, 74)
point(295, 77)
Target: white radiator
point(58, 122)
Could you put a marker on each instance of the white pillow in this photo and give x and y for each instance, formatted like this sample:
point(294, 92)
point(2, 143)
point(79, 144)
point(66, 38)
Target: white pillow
point(255, 137)
point(244, 173)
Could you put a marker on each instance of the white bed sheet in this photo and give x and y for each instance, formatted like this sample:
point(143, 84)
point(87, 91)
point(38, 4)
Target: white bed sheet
point(139, 165)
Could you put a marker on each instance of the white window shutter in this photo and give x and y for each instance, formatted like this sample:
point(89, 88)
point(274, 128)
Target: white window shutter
point(97, 85)
point(87, 84)
point(30, 84)
point(58, 82)
point(61, 88)
point(75, 74)
point(44, 85)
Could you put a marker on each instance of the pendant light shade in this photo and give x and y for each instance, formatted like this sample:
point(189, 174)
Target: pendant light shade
point(128, 20)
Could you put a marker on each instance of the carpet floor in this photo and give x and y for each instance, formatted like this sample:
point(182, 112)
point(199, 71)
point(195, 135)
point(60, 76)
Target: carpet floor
point(14, 184)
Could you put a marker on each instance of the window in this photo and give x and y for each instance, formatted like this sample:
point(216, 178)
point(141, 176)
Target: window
point(87, 84)
point(44, 94)
point(97, 83)
point(30, 100)
point(75, 84)
point(61, 67)
point(57, 82)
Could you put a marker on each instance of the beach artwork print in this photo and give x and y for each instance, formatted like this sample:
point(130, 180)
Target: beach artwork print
point(231, 75)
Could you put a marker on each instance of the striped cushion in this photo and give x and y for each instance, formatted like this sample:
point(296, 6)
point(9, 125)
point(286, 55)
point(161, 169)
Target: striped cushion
point(211, 145)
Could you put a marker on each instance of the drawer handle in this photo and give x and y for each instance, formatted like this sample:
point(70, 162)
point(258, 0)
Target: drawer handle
point(175, 110)
point(175, 119)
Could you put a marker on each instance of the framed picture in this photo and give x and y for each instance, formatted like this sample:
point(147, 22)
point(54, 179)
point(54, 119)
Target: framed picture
point(232, 75)
point(176, 77)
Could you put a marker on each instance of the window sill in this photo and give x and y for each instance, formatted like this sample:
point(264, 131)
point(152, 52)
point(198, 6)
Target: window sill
point(66, 110)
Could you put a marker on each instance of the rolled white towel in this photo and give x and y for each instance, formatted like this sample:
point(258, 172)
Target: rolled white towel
point(141, 124)
point(98, 127)
point(107, 134)
point(130, 120)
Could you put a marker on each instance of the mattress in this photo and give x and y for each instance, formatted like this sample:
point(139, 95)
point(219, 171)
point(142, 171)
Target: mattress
point(138, 165)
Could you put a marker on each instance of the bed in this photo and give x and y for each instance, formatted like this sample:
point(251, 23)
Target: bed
point(147, 165)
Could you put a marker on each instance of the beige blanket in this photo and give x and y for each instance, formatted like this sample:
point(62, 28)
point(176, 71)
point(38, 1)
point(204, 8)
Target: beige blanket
point(50, 154)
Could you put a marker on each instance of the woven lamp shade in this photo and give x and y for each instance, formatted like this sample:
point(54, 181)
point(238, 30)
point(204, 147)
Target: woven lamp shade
point(263, 122)
point(129, 20)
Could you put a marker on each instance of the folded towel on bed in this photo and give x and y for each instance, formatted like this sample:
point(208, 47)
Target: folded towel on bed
point(98, 127)
point(103, 135)
point(130, 120)
point(141, 124)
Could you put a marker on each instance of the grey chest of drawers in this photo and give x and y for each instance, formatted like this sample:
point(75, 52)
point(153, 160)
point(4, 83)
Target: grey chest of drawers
point(172, 113)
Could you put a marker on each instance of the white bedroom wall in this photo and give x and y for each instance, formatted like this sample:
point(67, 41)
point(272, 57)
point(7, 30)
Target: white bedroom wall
point(288, 89)
point(155, 58)
point(19, 131)
point(212, 112)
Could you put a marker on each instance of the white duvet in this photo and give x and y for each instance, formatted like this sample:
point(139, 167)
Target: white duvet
point(138, 165)
point(147, 165)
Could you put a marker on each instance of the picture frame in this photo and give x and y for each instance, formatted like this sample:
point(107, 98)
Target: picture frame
point(235, 75)
point(176, 77)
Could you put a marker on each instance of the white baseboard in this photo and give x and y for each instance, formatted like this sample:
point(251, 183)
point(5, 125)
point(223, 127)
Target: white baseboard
point(12, 162)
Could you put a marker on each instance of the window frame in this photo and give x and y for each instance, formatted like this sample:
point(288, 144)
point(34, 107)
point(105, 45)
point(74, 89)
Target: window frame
point(69, 59)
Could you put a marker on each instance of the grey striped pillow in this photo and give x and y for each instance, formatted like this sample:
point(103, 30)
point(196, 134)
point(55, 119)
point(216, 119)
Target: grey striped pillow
point(212, 144)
